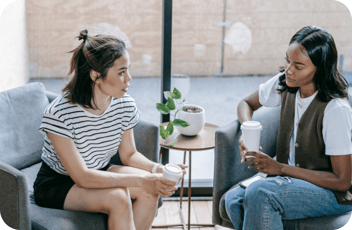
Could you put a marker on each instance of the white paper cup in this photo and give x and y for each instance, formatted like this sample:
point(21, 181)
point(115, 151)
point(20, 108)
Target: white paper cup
point(251, 135)
point(172, 172)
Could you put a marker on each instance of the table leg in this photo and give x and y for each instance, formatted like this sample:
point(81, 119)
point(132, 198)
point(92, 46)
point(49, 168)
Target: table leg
point(189, 189)
point(181, 195)
point(181, 191)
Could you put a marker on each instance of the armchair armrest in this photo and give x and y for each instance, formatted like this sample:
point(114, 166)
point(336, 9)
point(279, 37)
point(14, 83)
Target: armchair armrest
point(14, 199)
point(228, 169)
point(146, 136)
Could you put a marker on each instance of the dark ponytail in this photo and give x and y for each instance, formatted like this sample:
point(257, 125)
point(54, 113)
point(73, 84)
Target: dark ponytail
point(96, 53)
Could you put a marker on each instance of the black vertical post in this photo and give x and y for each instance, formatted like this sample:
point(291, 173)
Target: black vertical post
point(166, 63)
point(223, 38)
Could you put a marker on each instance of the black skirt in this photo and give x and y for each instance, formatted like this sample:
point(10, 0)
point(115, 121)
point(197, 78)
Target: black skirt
point(51, 188)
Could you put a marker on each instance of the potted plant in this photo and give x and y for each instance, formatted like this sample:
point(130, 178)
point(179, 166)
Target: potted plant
point(189, 119)
point(172, 106)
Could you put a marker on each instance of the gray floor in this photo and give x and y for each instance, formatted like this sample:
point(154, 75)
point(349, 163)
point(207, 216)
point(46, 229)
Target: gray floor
point(219, 97)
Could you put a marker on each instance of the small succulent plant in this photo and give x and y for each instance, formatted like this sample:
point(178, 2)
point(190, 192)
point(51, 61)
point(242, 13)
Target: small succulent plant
point(172, 106)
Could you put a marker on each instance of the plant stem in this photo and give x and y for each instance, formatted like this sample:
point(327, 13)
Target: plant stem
point(175, 114)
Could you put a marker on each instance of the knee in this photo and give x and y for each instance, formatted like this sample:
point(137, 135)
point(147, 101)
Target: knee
point(264, 195)
point(234, 197)
point(144, 195)
point(117, 200)
point(229, 201)
point(258, 192)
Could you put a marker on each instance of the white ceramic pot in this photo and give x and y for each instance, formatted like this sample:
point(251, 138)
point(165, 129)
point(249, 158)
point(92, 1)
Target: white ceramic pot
point(196, 121)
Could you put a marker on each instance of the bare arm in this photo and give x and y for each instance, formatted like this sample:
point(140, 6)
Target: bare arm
point(339, 179)
point(247, 106)
point(130, 156)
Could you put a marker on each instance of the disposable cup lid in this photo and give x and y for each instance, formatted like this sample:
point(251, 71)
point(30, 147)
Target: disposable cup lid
point(173, 170)
point(251, 125)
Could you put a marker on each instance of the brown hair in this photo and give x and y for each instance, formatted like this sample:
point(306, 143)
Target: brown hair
point(96, 53)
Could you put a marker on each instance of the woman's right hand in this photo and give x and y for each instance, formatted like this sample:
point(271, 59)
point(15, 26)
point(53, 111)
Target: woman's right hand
point(155, 183)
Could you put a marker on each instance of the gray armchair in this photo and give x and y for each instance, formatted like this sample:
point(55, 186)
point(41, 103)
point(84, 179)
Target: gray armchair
point(21, 144)
point(229, 171)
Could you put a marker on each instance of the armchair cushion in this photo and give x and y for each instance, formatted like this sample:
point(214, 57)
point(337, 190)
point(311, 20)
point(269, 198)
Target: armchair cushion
point(31, 174)
point(57, 219)
point(21, 111)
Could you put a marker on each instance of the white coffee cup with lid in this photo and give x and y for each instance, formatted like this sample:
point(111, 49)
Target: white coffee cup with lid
point(251, 135)
point(172, 172)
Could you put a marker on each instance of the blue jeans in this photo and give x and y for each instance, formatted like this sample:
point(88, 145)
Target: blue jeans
point(264, 204)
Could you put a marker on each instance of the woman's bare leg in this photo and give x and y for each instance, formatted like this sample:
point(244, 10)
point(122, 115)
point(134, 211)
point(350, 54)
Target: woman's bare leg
point(146, 204)
point(116, 202)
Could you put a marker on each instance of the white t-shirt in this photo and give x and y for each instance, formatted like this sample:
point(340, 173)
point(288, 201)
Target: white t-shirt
point(97, 137)
point(337, 121)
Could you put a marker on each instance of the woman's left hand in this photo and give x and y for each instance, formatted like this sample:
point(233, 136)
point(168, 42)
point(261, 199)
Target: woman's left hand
point(264, 163)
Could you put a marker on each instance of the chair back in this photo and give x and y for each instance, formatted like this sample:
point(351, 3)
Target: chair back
point(21, 111)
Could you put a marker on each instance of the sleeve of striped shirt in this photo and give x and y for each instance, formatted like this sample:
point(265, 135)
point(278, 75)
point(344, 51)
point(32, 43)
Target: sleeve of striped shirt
point(55, 123)
point(131, 116)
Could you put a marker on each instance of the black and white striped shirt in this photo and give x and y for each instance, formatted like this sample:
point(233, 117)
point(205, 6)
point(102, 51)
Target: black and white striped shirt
point(97, 137)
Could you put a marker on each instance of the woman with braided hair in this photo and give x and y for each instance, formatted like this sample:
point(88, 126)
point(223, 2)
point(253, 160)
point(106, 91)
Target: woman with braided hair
point(84, 127)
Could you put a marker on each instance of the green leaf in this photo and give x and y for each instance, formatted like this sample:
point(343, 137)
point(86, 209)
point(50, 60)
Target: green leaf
point(170, 103)
point(168, 94)
point(163, 133)
point(177, 94)
point(170, 128)
point(172, 144)
point(179, 122)
point(162, 108)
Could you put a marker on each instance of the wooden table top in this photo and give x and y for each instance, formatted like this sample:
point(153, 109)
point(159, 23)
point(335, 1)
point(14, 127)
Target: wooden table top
point(203, 141)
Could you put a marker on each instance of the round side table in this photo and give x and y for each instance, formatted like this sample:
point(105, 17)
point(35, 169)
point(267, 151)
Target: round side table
point(203, 141)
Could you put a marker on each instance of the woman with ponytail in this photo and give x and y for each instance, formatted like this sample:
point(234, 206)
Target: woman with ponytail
point(84, 127)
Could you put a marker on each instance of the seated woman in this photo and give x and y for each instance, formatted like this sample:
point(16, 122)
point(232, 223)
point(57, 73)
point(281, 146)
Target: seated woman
point(313, 164)
point(84, 128)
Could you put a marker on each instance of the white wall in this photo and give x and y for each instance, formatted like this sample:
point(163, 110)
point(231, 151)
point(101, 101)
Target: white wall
point(13, 44)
